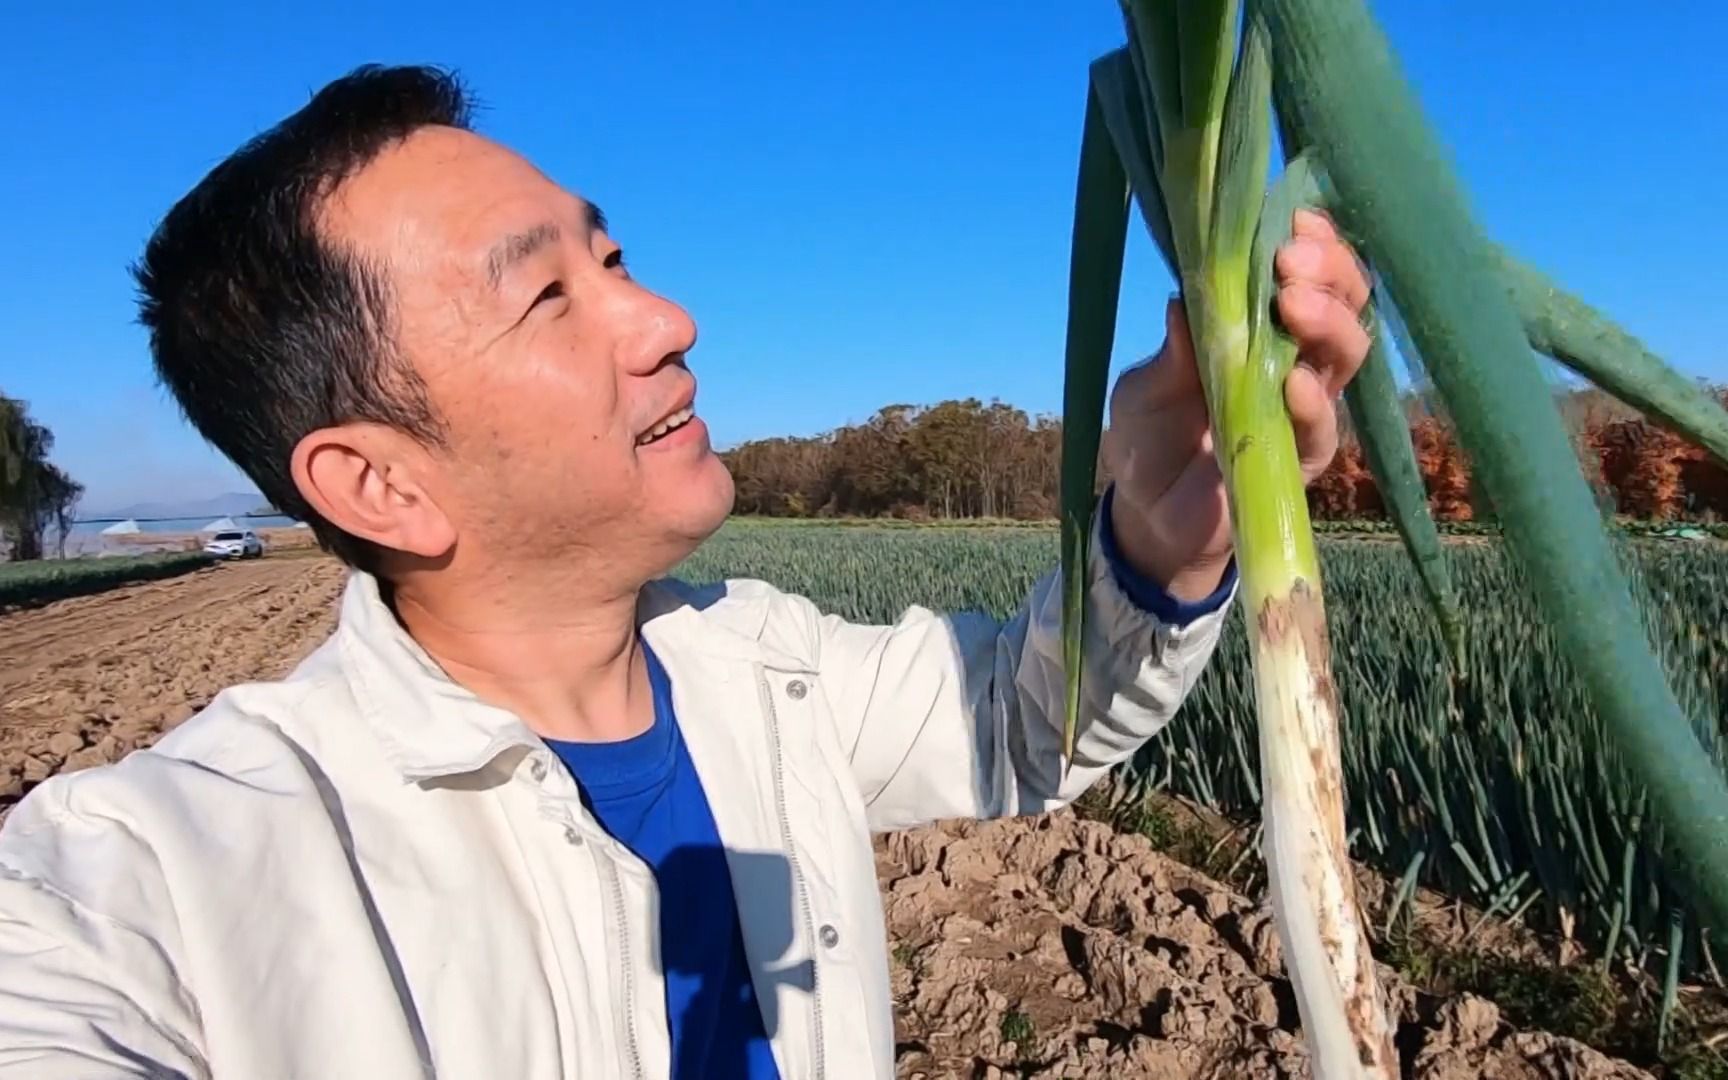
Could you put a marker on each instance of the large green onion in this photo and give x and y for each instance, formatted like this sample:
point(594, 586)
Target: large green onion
point(1556, 323)
point(1115, 88)
point(1094, 282)
point(1576, 334)
point(1186, 114)
point(1309, 880)
point(1191, 121)
point(1396, 194)
point(1384, 432)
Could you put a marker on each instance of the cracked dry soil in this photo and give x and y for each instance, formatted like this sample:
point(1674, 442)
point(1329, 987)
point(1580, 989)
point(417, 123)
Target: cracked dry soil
point(1043, 947)
point(1057, 947)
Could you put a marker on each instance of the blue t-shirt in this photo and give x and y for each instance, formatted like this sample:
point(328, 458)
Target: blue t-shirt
point(645, 792)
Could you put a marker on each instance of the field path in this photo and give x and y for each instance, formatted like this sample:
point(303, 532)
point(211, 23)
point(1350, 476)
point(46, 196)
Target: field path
point(105, 624)
point(83, 681)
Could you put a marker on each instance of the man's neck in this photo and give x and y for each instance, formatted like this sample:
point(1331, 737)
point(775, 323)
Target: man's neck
point(570, 665)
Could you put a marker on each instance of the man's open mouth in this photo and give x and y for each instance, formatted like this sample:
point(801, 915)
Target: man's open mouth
point(667, 426)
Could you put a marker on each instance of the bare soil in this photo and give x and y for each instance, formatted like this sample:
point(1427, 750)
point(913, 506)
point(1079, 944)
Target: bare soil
point(1046, 947)
point(1058, 947)
point(87, 680)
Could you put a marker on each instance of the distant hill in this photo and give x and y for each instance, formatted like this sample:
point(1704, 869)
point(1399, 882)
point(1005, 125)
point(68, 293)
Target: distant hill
point(229, 505)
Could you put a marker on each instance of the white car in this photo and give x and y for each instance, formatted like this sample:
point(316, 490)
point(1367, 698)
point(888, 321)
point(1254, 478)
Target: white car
point(239, 544)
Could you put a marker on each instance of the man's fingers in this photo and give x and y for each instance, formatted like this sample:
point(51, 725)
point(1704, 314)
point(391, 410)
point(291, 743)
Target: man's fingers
point(1159, 380)
point(1313, 418)
point(1311, 221)
point(1333, 342)
point(1322, 291)
point(1315, 255)
point(1178, 342)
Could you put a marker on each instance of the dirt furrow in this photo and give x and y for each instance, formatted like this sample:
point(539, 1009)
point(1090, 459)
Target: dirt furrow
point(63, 632)
point(88, 680)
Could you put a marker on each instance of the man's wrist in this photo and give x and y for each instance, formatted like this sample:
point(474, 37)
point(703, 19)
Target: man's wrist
point(1198, 579)
point(1179, 596)
point(1187, 576)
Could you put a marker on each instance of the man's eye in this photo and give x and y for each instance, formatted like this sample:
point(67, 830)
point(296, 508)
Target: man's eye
point(614, 261)
point(550, 292)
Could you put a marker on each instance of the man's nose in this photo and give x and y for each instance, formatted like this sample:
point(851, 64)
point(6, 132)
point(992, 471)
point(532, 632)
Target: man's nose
point(660, 330)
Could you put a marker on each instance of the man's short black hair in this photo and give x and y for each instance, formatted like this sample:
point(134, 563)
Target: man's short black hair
point(263, 329)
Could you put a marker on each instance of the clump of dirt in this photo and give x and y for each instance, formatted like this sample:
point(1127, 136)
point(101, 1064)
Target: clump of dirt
point(1057, 947)
point(1446, 947)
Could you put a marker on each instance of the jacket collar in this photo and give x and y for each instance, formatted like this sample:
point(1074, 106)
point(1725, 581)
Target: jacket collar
point(431, 726)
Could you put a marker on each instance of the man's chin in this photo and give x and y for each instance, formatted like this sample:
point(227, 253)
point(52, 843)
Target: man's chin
point(711, 504)
point(694, 509)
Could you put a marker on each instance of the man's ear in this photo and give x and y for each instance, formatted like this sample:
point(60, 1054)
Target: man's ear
point(373, 482)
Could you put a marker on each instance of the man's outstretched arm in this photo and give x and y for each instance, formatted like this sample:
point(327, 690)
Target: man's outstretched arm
point(960, 715)
point(88, 987)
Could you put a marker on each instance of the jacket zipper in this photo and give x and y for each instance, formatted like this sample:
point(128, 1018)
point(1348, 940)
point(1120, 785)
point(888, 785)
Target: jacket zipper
point(792, 861)
point(629, 1010)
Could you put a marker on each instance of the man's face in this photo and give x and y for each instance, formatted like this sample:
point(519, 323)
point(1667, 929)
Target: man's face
point(552, 369)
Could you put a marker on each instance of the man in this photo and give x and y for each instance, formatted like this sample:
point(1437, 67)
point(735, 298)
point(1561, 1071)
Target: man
point(532, 811)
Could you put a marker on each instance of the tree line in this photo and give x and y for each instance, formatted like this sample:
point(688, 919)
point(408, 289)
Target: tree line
point(955, 459)
point(974, 459)
point(969, 458)
point(35, 494)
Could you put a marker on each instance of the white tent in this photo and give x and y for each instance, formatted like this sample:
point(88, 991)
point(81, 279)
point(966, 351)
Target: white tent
point(122, 528)
point(220, 525)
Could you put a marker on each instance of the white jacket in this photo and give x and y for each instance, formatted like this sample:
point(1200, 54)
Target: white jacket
point(362, 871)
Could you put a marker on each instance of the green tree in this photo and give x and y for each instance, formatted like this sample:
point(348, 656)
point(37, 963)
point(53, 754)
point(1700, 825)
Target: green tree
point(34, 492)
point(11, 444)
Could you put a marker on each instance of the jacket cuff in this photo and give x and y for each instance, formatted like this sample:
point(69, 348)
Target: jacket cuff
point(1148, 595)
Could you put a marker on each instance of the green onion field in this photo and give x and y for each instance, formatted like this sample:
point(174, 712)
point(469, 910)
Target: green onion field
point(42, 580)
point(1499, 788)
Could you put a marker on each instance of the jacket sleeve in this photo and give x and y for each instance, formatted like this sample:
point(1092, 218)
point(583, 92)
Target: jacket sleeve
point(960, 715)
point(85, 991)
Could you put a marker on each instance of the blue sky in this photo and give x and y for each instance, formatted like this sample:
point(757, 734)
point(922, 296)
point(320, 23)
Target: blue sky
point(859, 204)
